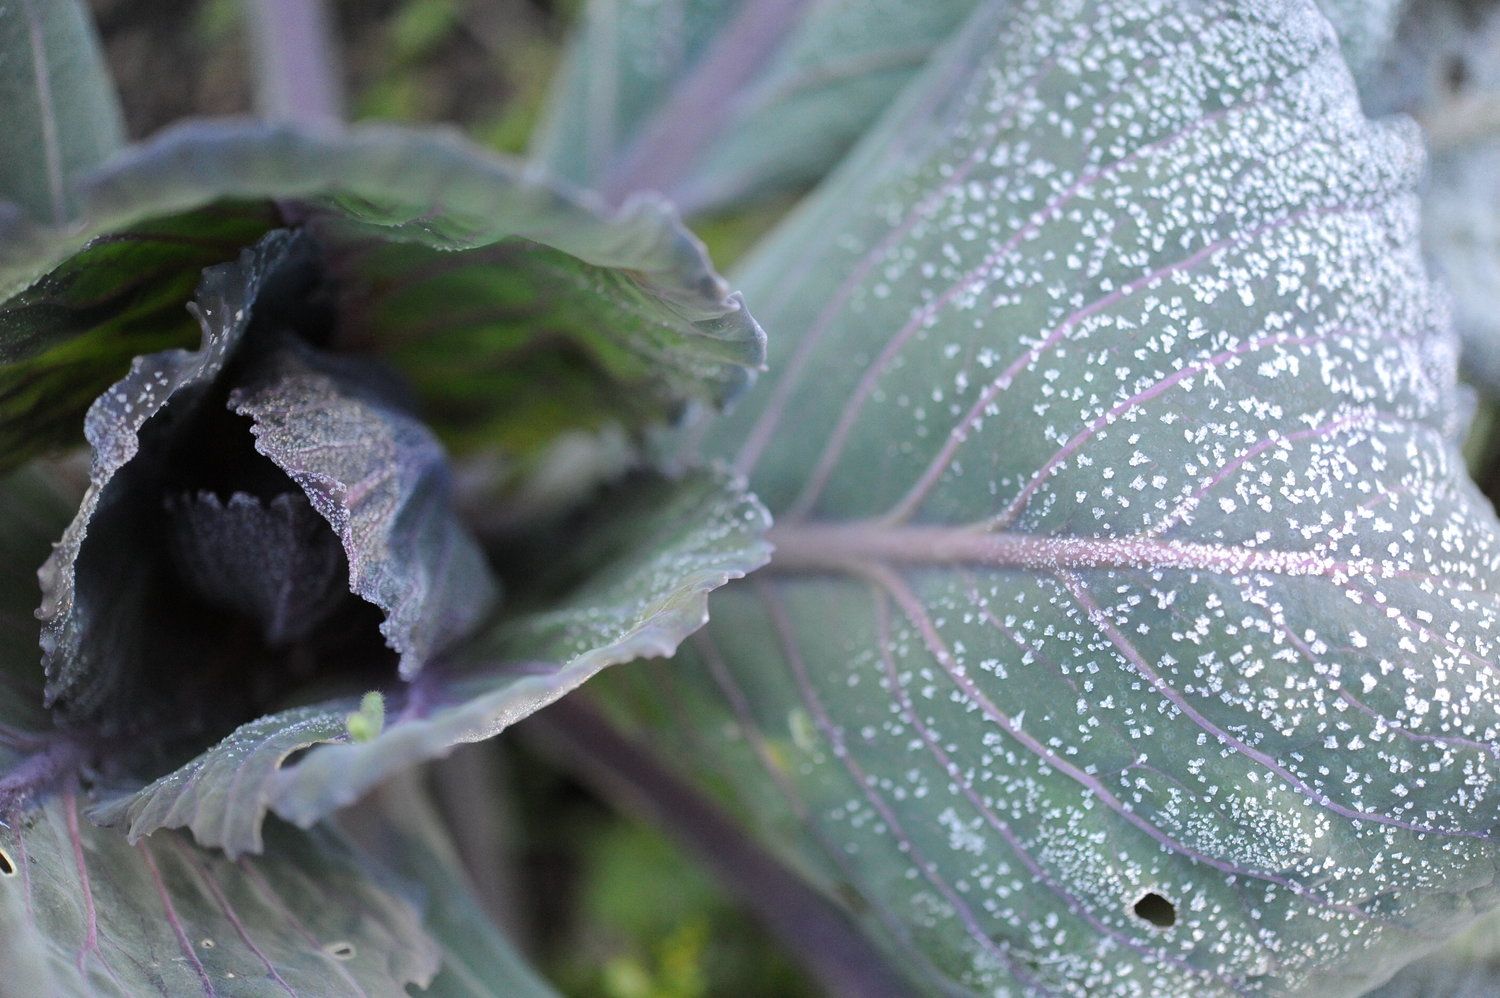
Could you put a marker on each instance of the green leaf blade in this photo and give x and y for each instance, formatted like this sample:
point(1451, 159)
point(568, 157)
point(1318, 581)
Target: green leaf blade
point(716, 103)
point(1111, 433)
point(622, 309)
point(58, 108)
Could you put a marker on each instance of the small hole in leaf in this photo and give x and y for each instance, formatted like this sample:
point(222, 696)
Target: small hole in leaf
point(7, 865)
point(1157, 910)
point(206, 944)
point(1457, 73)
point(340, 950)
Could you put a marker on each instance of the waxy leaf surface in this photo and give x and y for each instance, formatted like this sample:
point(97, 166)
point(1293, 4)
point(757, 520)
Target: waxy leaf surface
point(1132, 620)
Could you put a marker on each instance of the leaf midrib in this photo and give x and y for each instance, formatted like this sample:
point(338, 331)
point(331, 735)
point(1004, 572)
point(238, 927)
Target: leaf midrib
point(824, 546)
point(46, 111)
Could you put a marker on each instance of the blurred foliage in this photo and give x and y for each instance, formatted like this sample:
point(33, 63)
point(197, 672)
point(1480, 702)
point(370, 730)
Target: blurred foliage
point(620, 911)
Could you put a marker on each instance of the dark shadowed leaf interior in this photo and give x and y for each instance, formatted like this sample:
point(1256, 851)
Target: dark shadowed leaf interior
point(83, 912)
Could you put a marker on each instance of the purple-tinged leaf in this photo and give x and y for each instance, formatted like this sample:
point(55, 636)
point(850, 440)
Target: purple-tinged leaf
point(380, 479)
point(273, 561)
point(105, 571)
point(1132, 621)
point(84, 913)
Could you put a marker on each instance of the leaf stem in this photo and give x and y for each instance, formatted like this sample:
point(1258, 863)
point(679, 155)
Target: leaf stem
point(296, 62)
point(667, 143)
point(821, 547)
point(821, 937)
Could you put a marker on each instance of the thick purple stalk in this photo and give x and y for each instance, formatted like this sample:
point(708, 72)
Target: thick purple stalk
point(296, 62)
point(669, 141)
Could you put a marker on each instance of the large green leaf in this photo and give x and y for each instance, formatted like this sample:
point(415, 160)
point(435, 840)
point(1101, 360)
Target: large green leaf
point(58, 110)
point(1131, 624)
point(715, 101)
point(83, 912)
point(647, 566)
point(445, 261)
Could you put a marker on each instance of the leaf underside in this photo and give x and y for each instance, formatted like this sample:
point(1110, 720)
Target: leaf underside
point(622, 313)
point(1127, 572)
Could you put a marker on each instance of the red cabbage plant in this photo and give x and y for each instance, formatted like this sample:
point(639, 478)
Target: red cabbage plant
point(1102, 604)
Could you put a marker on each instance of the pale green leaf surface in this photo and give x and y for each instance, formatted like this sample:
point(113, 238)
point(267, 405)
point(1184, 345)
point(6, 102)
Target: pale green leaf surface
point(662, 548)
point(443, 254)
point(716, 101)
point(1123, 547)
point(58, 109)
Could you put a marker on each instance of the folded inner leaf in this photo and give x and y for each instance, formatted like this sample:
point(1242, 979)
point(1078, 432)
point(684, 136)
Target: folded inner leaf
point(256, 509)
point(635, 586)
point(84, 913)
point(380, 479)
point(106, 584)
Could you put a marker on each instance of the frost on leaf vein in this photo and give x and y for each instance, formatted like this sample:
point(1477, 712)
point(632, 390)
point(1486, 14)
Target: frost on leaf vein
point(1123, 434)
